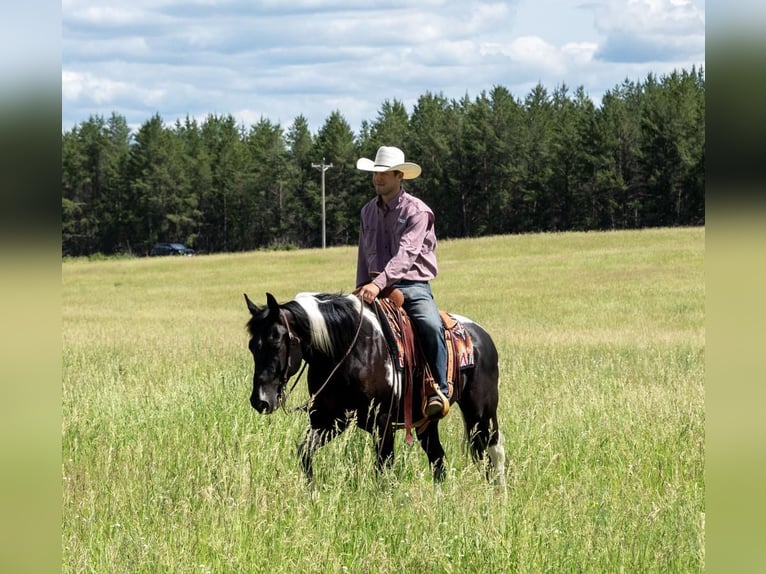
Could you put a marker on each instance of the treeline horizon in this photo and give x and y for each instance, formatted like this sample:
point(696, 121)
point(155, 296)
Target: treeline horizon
point(495, 164)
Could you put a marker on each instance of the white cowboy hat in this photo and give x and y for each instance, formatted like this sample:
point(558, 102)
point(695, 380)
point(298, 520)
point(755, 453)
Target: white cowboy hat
point(390, 158)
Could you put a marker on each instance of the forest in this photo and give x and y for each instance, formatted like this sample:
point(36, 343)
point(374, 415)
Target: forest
point(492, 164)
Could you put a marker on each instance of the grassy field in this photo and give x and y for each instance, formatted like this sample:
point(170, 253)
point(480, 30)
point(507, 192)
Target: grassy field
point(166, 468)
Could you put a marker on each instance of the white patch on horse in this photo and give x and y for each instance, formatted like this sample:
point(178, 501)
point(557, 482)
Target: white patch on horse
point(373, 319)
point(320, 338)
point(497, 456)
point(465, 320)
point(394, 379)
point(461, 319)
point(369, 314)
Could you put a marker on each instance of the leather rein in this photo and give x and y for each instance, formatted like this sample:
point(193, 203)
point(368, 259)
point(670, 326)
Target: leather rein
point(285, 376)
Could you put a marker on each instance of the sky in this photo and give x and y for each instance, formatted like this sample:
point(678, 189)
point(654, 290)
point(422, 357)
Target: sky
point(280, 59)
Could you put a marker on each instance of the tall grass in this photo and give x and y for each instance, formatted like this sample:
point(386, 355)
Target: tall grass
point(166, 468)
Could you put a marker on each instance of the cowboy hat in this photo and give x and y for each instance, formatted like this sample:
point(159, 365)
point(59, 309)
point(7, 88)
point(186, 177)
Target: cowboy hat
point(390, 159)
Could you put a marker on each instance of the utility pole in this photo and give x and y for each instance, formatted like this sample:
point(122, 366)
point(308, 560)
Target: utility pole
point(324, 167)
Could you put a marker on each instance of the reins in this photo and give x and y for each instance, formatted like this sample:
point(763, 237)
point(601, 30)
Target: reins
point(306, 405)
point(298, 378)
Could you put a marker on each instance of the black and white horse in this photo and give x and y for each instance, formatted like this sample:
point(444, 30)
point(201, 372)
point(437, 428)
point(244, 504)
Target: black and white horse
point(350, 370)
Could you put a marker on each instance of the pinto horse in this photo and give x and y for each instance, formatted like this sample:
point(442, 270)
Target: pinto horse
point(352, 377)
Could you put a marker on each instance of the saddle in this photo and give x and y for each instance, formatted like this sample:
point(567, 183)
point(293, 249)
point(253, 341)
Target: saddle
point(410, 361)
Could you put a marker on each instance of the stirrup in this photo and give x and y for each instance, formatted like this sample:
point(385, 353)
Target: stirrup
point(437, 406)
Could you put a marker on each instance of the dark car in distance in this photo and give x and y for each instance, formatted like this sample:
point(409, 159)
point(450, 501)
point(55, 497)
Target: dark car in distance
point(170, 249)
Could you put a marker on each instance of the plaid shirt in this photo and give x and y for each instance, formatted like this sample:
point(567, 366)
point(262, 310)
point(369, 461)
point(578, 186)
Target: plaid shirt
point(396, 241)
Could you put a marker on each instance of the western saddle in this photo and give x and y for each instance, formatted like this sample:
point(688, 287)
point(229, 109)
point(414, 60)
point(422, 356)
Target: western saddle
point(410, 362)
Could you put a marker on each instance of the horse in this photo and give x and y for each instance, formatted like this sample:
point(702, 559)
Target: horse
point(352, 377)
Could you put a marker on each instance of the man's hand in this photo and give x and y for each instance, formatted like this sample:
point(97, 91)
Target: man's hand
point(368, 292)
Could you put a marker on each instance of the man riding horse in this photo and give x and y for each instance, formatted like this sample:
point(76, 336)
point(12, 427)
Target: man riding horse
point(397, 244)
point(351, 366)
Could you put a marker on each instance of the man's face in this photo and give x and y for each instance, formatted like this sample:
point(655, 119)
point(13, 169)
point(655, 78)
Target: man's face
point(387, 183)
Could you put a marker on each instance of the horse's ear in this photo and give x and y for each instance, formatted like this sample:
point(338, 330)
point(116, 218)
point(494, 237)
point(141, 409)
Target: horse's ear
point(250, 305)
point(273, 305)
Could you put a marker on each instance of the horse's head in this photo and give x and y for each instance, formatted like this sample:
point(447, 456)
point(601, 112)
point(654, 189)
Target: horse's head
point(276, 352)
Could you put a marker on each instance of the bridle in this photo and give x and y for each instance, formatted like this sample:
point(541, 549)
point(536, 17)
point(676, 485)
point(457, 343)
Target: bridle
point(285, 376)
point(292, 338)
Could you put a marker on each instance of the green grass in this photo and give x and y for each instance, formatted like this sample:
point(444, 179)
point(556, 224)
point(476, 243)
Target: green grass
point(166, 468)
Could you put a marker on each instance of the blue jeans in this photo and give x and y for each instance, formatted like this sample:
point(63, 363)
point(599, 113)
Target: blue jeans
point(427, 323)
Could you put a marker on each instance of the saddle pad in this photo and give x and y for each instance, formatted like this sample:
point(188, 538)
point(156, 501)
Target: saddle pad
point(459, 344)
point(462, 345)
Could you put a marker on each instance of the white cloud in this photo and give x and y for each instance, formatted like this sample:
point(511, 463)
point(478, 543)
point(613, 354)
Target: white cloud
point(283, 58)
point(106, 15)
point(649, 16)
point(638, 30)
point(534, 52)
point(99, 90)
point(534, 57)
point(579, 53)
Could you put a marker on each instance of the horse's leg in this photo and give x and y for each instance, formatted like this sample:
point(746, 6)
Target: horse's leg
point(484, 437)
point(479, 410)
point(384, 441)
point(316, 437)
point(497, 454)
point(379, 425)
point(478, 403)
point(429, 441)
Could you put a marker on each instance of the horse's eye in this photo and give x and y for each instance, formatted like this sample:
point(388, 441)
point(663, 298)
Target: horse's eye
point(275, 340)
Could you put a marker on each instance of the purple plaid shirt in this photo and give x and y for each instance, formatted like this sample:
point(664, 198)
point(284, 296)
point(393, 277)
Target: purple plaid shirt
point(396, 241)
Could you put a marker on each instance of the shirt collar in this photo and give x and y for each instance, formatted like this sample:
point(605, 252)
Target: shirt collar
point(385, 207)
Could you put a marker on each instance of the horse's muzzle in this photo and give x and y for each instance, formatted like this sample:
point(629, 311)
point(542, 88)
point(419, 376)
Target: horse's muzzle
point(263, 407)
point(265, 402)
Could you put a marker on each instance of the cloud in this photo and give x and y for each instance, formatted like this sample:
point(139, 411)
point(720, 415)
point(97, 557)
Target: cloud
point(650, 17)
point(106, 16)
point(650, 30)
point(643, 48)
point(76, 86)
point(283, 58)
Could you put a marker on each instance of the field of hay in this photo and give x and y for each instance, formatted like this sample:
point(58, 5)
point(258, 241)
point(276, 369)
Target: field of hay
point(166, 467)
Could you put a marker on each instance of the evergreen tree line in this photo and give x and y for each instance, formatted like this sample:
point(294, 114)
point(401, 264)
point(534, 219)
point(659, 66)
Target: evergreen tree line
point(494, 164)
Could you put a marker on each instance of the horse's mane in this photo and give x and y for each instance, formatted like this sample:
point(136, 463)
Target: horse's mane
point(327, 321)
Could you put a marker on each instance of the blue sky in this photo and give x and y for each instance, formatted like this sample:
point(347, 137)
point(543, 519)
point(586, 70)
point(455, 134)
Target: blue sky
point(278, 59)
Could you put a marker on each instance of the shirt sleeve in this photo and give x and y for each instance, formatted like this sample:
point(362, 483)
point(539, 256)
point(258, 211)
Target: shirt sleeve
point(410, 246)
point(362, 273)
